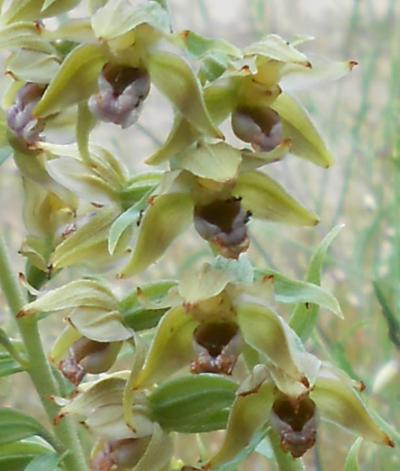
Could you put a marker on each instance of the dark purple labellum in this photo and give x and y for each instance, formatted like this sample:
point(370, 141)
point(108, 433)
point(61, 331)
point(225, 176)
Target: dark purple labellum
point(121, 94)
point(223, 223)
point(87, 356)
point(120, 454)
point(19, 117)
point(261, 127)
point(295, 420)
point(217, 345)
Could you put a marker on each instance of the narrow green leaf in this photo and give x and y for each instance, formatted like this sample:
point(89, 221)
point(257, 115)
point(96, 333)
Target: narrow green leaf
point(130, 217)
point(15, 426)
point(82, 66)
point(8, 366)
point(304, 318)
point(16, 456)
point(292, 291)
point(162, 223)
point(193, 404)
point(266, 199)
point(351, 463)
point(44, 463)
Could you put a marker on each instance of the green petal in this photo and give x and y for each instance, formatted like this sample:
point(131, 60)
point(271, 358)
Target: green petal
point(163, 222)
point(199, 46)
point(299, 128)
point(266, 199)
point(171, 348)
point(275, 48)
point(338, 402)
point(79, 293)
point(268, 333)
point(193, 404)
point(100, 325)
point(219, 162)
point(118, 17)
point(82, 65)
point(199, 285)
point(304, 318)
point(174, 77)
point(76, 30)
point(249, 413)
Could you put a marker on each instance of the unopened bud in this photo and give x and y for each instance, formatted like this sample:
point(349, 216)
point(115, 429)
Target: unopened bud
point(121, 94)
point(261, 127)
point(89, 356)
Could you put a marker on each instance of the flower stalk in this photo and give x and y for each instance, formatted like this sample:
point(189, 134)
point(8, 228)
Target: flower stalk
point(38, 368)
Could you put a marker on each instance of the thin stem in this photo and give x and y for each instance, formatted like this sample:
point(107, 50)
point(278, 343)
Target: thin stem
point(285, 461)
point(39, 368)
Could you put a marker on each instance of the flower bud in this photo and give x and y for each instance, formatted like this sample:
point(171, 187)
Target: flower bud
point(121, 94)
point(295, 420)
point(89, 356)
point(223, 223)
point(261, 127)
point(120, 454)
point(19, 117)
point(218, 346)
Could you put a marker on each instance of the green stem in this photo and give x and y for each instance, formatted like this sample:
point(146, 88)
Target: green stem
point(285, 461)
point(39, 368)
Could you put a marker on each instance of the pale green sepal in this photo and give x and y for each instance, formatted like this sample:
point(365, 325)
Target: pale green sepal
point(78, 293)
point(32, 66)
point(171, 348)
point(158, 454)
point(164, 221)
point(173, 76)
point(82, 66)
point(23, 35)
point(266, 199)
point(306, 141)
point(267, 332)
point(182, 135)
point(249, 413)
point(295, 78)
point(36, 9)
point(338, 402)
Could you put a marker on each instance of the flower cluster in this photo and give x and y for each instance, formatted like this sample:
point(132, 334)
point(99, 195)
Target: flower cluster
point(210, 351)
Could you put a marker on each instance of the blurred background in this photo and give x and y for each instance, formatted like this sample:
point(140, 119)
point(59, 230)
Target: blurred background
point(359, 117)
